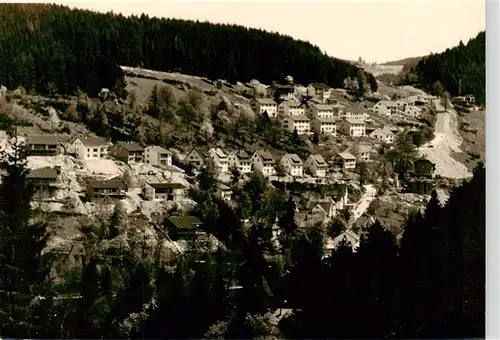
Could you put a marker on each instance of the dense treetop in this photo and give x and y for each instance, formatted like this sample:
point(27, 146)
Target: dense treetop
point(460, 69)
point(55, 48)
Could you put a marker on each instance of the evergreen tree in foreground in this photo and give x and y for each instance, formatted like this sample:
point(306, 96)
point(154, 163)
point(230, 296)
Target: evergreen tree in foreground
point(24, 270)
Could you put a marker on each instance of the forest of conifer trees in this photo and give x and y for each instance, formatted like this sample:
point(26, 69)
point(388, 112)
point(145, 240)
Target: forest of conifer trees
point(50, 48)
point(460, 69)
point(430, 284)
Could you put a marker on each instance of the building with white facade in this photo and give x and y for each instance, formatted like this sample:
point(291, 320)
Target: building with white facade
point(157, 156)
point(300, 123)
point(383, 135)
point(316, 165)
point(263, 162)
point(386, 108)
point(324, 126)
point(89, 148)
point(322, 111)
point(291, 108)
point(219, 158)
point(293, 165)
point(261, 105)
point(240, 160)
point(353, 128)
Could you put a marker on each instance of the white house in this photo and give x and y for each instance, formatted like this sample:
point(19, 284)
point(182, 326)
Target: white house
point(240, 160)
point(224, 192)
point(352, 113)
point(321, 91)
point(293, 165)
point(353, 128)
point(344, 160)
point(157, 156)
point(300, 123)
point(322, 111)
point(364, 153)
point(263, 162)
point(3, 140)
point(316, 165)
point(386, 108)
point(261, 105)
point(417, 100)
point(348, 236)
point(412, 111)
point(89, 148)
point(383, 135)
point(324, 126)
point(291, 108)
point(220, 159)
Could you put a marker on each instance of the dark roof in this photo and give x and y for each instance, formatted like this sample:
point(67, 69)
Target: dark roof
point(319, 160)
point(42, 139)
point(131, 146)
point(266, 156)
point(294, 158)
point(107, 184)
point(242, 155)
point(167, 185)
point(92, 141)
point(423, 159)
point(187, 222)
point(320, 86)
point(45, 173)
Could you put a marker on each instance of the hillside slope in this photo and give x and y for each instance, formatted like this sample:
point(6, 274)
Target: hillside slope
point(51, 48)
point(460, 69)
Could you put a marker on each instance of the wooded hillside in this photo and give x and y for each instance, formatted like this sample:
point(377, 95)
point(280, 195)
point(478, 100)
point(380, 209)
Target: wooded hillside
point(461, 69)
point(50, 48)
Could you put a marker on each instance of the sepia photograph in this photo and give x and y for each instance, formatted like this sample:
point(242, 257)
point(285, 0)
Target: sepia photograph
point(243, 170)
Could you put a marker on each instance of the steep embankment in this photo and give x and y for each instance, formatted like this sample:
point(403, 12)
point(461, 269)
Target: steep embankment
point(446, 141)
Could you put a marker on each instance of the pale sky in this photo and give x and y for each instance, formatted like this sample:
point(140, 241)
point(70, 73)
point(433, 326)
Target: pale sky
point(376, 30)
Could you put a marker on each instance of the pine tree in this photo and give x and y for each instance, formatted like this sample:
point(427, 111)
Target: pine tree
point(24, 269)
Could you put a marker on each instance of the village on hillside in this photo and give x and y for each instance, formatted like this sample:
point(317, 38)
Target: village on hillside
point(82, 175)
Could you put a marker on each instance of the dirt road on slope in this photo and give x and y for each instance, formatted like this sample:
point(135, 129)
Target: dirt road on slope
point(447, 140)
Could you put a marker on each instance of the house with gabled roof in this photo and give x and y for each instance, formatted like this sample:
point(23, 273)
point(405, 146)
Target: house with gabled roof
point(44, 181)
point(321, 111)
point(293, 165)
point(324, 206)
point(261, 105)
point(197, 157)
point(128, 152)
point(301, 124)
point(316, 165)
point(321, 90)
point(325, 126)
point(344, 160)
point(157, 156)
point(291, 108)
point(43, 145)
point(224, 192)
point(89, 148)
point(219, 158)
point(240, 160)
point(263, 162)
point(383, 135)
point(111, 188)
point(348, 236)
point(386, 108)
point(351, 127)
point(164, 191)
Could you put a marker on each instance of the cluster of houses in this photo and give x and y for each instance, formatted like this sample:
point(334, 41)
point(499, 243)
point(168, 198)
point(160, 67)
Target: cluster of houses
point(264, 162)
point(325, 118)
point(47, 180)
